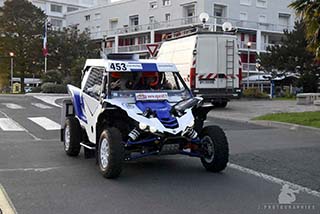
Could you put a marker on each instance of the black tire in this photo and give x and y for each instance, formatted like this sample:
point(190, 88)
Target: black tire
point(215, 136)
point(110, 165)
point(222, 104)
point(72, 136)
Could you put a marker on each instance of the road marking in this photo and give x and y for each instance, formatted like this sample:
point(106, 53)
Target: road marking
point(50, 99)
point(6, 205)
point(12, 106)
point(45, 123)
point(40, 105)
point(7, 124)
point(29, 169)
point(274, 179)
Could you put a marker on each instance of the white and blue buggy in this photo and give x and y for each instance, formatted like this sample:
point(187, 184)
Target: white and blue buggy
point(128, 108)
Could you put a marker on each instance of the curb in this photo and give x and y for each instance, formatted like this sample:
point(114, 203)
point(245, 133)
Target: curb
point(268, 123)
point(277, 124)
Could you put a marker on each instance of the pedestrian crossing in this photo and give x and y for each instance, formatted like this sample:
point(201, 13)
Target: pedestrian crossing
point(42, 123)
point(10, 125)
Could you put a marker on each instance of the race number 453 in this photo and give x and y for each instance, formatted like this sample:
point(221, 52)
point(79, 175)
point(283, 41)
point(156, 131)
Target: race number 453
point(118, 66)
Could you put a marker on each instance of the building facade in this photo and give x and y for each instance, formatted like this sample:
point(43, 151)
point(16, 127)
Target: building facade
point(127, 25)
point(56, 10)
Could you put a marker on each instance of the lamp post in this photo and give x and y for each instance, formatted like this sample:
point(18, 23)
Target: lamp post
point(11, 70)
point(248, 68)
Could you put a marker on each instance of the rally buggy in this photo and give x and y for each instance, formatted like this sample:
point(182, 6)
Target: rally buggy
point(128, 108)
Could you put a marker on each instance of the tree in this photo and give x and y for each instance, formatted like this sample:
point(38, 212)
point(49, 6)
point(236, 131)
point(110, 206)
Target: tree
point(21, 27)
point(68, 50)
point(309, 11)
point(293, 57)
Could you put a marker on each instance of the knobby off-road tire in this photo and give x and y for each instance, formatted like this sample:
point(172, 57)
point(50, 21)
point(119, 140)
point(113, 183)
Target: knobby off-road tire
point(110, 153)
point(214, 141)
point(72, 136)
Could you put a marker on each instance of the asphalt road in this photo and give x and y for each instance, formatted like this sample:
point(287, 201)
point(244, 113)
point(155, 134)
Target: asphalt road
point(39, 178)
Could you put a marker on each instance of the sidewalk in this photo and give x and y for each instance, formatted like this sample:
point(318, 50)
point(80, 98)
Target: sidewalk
point(243, 110)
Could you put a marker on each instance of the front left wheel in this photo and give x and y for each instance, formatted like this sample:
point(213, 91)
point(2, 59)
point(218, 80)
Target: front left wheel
point(215, 149)
point(72, 136)
point(110, 153)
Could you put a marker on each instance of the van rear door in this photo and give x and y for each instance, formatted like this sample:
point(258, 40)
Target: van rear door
point(215, 61)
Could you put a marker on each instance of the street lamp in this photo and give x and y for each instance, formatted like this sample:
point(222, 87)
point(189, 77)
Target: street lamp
point(11, 54)
point(248, 69)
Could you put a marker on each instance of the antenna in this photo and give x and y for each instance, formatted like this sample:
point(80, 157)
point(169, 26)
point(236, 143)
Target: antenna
point(227, 26)
point(204, 17)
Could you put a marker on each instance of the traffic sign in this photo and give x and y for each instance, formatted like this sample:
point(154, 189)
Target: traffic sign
point(152, 48)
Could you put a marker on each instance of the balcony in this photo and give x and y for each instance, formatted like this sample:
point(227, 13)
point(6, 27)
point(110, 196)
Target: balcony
point(190, 21)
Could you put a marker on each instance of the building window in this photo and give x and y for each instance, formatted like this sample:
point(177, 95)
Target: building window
point(262, 3)
point(153, 5)
point(97, 16)
point(87, 17)
point(151, 19)
point(113, 23)
point(284, 19)
point(56, 24)
point(243, 16)
point(56, 8)
point(220, 10)
point(166, 2)
point(70, 9)
point(134, 20)
point(262, 18)
point(245, 2)
point(167, 17)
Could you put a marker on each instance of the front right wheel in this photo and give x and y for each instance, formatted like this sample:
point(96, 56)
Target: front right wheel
point(215, 149)
point(110, 153)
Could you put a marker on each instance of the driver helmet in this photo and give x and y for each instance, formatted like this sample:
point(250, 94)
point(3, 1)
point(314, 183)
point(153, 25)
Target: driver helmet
point(150, 78)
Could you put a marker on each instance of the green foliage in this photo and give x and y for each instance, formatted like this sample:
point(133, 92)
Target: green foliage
point(254, 93)
point(53, 88)
point(309, 12)
point(52, 76)
point(21, 27)
point(302, 118)
point(293, 57)
point(68, 50)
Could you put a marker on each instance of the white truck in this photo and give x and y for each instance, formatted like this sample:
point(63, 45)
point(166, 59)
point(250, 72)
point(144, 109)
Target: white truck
point(208, 63)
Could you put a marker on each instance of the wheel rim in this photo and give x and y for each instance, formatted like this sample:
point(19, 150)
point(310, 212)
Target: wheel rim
point(67, 138)
point(209, 146)
point(104, 153)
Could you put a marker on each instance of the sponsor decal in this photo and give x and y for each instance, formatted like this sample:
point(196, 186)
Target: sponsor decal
point(151, 96)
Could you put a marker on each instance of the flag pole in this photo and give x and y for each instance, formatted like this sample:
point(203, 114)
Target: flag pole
point(45, 48)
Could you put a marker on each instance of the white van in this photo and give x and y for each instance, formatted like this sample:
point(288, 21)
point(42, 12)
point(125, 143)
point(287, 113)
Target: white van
point(209, 64)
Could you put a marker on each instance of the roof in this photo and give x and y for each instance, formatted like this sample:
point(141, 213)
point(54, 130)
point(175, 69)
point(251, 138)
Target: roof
point(132, 65)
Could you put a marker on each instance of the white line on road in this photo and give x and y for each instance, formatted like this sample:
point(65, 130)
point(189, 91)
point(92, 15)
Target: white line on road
point(40, 105)
point(12, 106)
point(5, 202)
point(274, 179)
point(29, 169)
point(7, 124)
point(45, 123)
point(50, 99)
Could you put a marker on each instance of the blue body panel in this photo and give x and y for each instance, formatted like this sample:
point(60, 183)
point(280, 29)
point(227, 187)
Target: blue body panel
point(78, 103)
point(162, 110)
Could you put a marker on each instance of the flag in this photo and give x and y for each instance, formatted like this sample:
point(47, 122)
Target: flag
point(45, 48)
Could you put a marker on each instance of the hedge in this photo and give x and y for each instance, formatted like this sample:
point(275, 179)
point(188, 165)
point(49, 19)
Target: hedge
point(53, 88)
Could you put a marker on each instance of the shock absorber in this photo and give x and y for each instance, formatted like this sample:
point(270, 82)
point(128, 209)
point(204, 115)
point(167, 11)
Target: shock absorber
point(190, 133)
point(134, 134)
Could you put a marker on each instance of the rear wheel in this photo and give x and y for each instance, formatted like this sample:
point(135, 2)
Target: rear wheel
point(110, 153)
point(215, 147)
point(72, 136)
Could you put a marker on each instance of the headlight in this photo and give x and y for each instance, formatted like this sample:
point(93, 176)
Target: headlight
point(191, 124)
point(153, 130)
point(143, 126)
